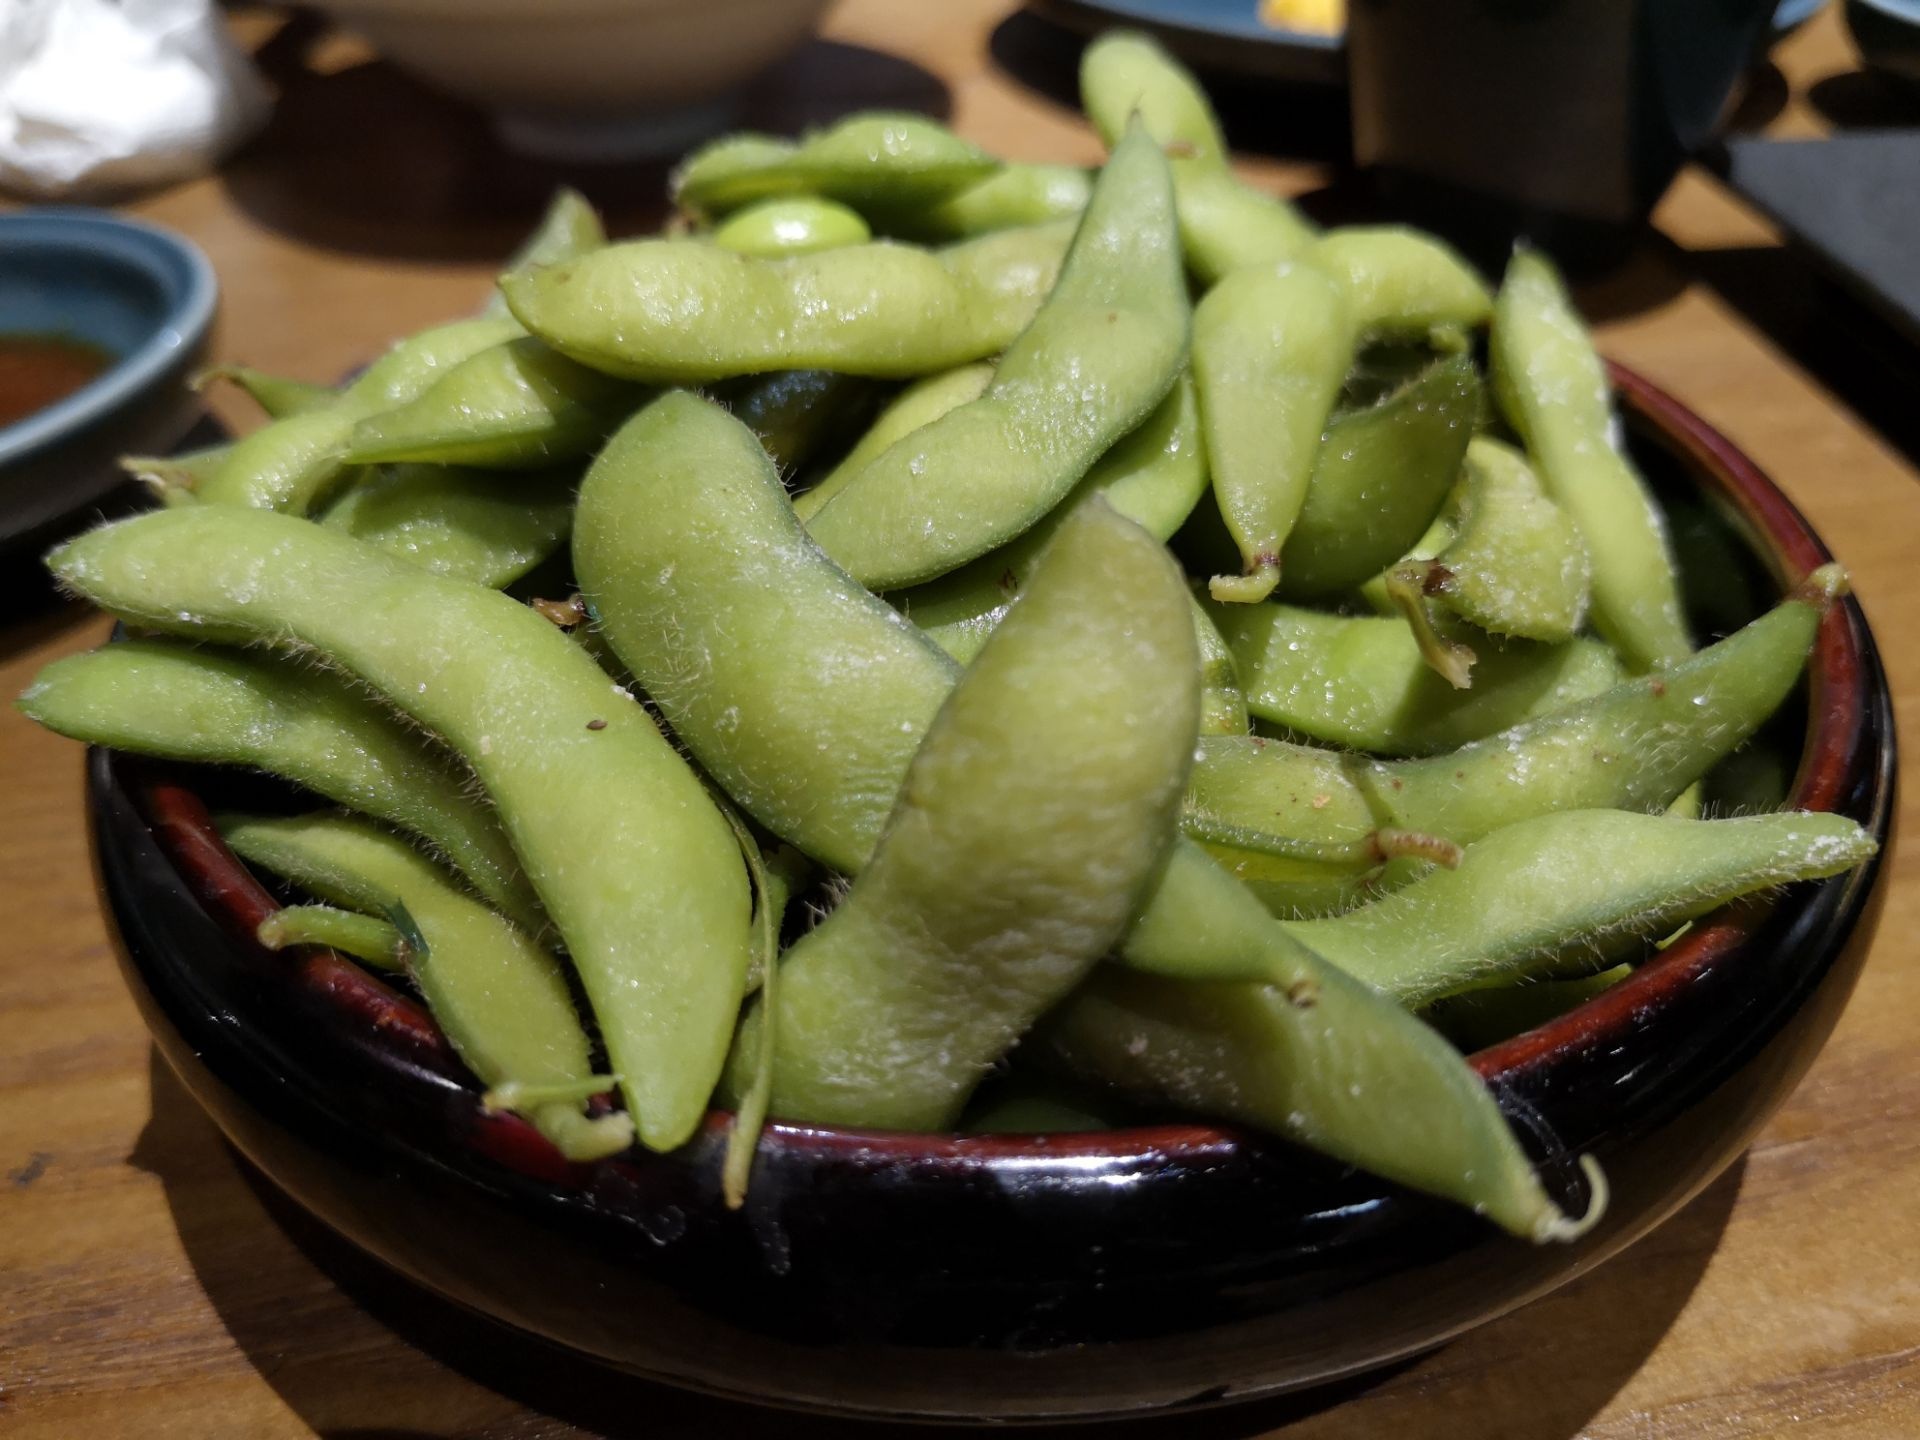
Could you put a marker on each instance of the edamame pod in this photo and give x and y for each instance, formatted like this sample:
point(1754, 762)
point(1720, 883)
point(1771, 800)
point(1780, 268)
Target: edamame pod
point(792, 225)
point(1270, 348)
point(817, 747)
point(501, 999)
point(570, 227)
point(1223, 709)
point(174, 478)
point(473, 525)
point(1379, 477)
point(1101, 354)
point(874, 158)
point(1559, 894)
point(1050, 779)
point(277, 395)
point(709, 629)
point(227, 707)
point(512, 406)
point(585, 785)
point(289, 464)
point(370, 941)
point(1553, 391)
point(1480, 1018)
point(920, 404)
point(1361, 681)
point(1300, 1049)
point(1154, 477)
point(1015, 194)
point(1401, 282)
point(687, 312)
point(1225, 224)
point(1293, 822)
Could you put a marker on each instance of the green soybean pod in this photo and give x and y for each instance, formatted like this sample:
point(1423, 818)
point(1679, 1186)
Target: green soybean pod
point(1553, 390)
point(290, 464)
point(791, 225)
point(570, 227)
point(1401, 282)
point(473, 525)
point(1270, 348)
point(229, 707)
point(372, 942)
point(276, 395)
point(1154, 477)
point(700, 622)
point(1223, 708)
point(1225, 225)
point(1380, 477)
point(875, 157)
point(687, 312)
point(920, 404)
point(1054, 797)
point(1362, 682)
point(1102, 353)
point(173, 478)
point(502, 1000)
point(1299, 1048)
point(1293, 822)
point(516, 405)
point(1015, 194)
point(1559, 894)
point(1482, 1018)
point(634, 865)
point(806, 697)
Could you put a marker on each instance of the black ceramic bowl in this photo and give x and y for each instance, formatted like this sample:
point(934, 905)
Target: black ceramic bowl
point(1008, 1277)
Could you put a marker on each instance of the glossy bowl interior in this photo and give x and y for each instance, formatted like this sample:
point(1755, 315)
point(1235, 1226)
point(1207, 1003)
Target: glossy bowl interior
point(1018, 1277)
point(141, 294)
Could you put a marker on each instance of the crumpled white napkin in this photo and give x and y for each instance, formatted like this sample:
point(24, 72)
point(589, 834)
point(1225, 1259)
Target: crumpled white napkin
point(105, 95)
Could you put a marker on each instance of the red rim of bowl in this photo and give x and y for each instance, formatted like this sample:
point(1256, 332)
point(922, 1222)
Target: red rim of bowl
point(1837, 715)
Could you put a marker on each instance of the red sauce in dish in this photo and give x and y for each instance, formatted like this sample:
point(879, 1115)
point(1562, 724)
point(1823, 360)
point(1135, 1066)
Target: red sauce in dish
point(36, 370)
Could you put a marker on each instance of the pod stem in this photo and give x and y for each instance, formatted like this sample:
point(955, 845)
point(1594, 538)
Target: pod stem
point(1263, 573)
point(1822, 587)
point(1409, 587)
point(1555, 1226)
point(1389, 843)
point(523, 1095)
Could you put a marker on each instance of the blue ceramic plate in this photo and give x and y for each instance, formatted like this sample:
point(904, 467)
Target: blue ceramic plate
point(144, 296)
point(1228, 35)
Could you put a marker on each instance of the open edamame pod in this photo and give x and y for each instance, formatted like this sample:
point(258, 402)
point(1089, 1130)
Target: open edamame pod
point(502, 1000)
point(473, 525)
point(875, 158)
point(1298, 1048)
point(585, 785)
point(1362, 682)
point(230, 707)
point(1401, 282)
point(817, 745)
point(1559, 894)
point(714, 632)
point(516, 405)
point(570, 227)
point(290, 464)
point(1553, 390)
point(1225, 224)
point(1050, 779)
point(685, 311)
point(1294, 822)
point(1102, 353)
point(1270, 348)
point(791, 225)
point(1380, 476)
point(920, 404)
point(1154, 477)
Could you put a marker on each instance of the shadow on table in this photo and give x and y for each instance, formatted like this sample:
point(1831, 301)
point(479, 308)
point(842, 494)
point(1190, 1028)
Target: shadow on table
point(308, 1310)
point(1853, 352)
point(1864, 100)
point(365, 159)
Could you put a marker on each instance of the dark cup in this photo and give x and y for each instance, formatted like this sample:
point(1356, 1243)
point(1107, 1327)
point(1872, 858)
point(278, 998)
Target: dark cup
point(1560, 120)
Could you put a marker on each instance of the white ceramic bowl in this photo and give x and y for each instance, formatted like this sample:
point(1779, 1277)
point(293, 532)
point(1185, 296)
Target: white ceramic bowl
point(588, 79)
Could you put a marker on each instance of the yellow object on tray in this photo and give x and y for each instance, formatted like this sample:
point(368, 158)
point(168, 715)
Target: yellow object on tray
point(1321, 17)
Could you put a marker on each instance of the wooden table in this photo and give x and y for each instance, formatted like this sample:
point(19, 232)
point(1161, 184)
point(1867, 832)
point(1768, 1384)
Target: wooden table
point(149, 1288)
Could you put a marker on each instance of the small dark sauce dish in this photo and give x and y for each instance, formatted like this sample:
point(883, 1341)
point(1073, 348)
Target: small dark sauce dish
point(1018, 1277)
point(141, 298)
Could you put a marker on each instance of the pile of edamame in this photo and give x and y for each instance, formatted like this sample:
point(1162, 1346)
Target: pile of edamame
point(1102, 636)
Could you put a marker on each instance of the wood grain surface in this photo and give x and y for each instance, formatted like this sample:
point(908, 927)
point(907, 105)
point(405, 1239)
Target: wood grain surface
point(148, 1287)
